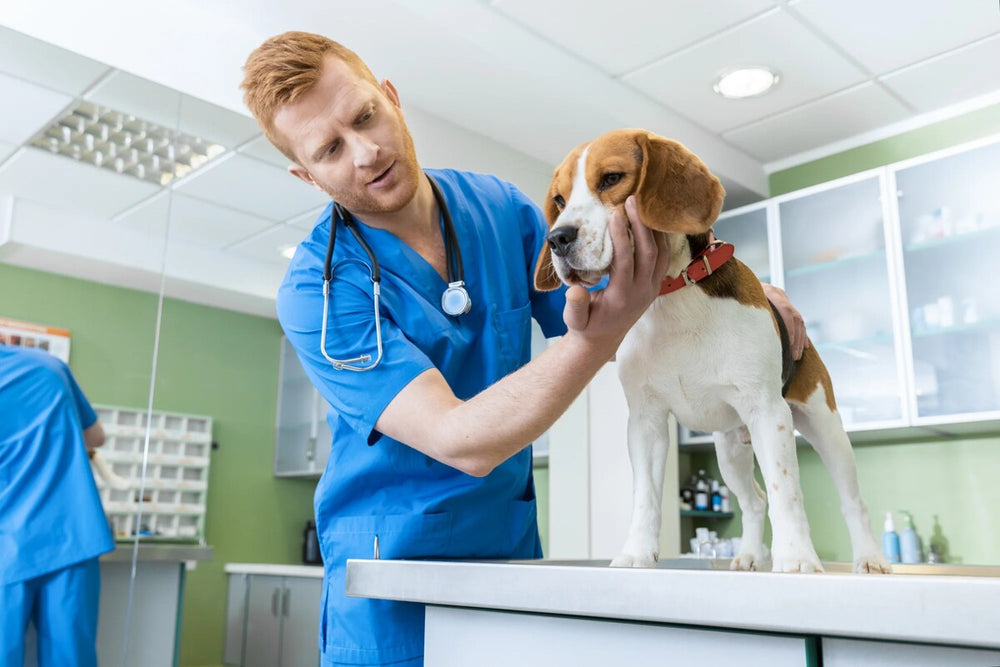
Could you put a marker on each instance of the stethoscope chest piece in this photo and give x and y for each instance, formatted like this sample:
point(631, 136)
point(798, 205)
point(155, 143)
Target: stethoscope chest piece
point(456, 299)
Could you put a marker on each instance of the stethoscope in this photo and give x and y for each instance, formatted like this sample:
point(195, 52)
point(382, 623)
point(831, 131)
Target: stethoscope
point(454, 301)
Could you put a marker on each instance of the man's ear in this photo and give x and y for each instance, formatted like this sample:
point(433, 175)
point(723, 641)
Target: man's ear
point(391, 92)
point(301, 173)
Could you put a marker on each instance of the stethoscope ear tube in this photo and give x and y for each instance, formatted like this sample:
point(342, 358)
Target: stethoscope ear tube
point(454, 301)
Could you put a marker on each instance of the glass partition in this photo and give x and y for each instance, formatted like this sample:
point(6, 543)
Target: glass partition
point(81, 150)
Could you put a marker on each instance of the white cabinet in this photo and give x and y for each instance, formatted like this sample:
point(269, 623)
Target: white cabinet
point(837, 271)
point(949, 220)
point(746, 228)
point(892, 271)
point(302, 435)
point(273, 620)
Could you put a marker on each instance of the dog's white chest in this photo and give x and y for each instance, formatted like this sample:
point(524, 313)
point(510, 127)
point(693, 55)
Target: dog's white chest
point(699, 356)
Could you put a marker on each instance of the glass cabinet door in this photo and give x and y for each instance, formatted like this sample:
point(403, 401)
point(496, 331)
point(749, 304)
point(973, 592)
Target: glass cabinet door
point(747, 231)
point(836, 273)
point(949, 214)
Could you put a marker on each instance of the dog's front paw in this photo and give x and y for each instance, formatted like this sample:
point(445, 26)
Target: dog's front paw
point(635, 560)
point(751, 560)
point(872, 564)
point(797, 563)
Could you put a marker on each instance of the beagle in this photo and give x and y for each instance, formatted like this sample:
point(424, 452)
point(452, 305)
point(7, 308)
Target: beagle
point(709, 350)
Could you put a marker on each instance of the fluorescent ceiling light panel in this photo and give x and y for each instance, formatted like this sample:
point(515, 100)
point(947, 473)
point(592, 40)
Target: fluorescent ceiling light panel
point(125, 144)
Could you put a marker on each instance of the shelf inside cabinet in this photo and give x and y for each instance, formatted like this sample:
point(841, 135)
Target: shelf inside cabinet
point(943, 241)
point(837, 263)
point(706, 514)
point(926, 332)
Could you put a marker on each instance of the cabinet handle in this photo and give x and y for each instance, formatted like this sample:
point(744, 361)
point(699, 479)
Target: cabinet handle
point(274, 601)
point(285, 598)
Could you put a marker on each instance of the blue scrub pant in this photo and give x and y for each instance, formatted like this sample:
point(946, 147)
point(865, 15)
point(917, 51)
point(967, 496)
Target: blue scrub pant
point(63, 607)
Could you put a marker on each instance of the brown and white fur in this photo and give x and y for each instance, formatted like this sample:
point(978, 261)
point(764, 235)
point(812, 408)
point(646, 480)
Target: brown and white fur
point(710, 353)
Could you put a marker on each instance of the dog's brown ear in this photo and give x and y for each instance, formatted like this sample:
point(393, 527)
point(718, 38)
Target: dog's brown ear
point(546, 278)
point(676, 192)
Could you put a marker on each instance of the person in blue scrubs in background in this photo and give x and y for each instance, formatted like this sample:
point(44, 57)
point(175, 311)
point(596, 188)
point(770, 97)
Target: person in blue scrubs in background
point(431, 452)
point(52, 524)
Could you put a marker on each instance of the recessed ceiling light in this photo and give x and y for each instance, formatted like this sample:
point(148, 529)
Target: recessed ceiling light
point(287, 251)
point(123, 143)
point(745, 82)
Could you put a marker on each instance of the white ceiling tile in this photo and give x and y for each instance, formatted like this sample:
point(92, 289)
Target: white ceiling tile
point(888, 34)
point(45, 64)
point(252, 186)
point(140, 97)
point(307, 220)
point(198, 222)
point(808, 67)
point(841, 116)
point(262, 149)
point(61, 182)
point(149, 216)
point(268, 246)
point(35, 108)
point(6, 150)
point(653, 27)
point(214, 123)
point(958, 76)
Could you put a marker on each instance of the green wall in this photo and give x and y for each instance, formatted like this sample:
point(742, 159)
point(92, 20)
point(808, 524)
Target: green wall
point(213, 362)
point(967, 127)
point(953, 480)
point(948, 485)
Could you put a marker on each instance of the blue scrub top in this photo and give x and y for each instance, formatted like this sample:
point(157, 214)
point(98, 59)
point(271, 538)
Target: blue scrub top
point(50, 511)
point(376, 486)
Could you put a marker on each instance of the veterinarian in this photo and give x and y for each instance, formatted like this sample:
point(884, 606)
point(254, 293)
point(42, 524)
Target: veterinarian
point(52, 525)
point(420, 340)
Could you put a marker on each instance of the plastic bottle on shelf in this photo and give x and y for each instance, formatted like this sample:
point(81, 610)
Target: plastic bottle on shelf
point(724, 494)
point(909, 541)
point(716, 496)
point(687, 493)
point(701, 497)
point(890, 540)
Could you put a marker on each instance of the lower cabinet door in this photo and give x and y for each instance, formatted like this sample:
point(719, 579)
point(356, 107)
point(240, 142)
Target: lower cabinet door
point(261, 647)
point(300, 611)
point(864, 653)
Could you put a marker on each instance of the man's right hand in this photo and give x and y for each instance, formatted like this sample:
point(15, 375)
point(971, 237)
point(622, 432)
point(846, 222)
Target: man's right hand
point(637, 271)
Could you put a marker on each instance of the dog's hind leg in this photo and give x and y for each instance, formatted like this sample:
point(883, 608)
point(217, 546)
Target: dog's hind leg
point(824, 430)
point(735, 456)
point(648, 445)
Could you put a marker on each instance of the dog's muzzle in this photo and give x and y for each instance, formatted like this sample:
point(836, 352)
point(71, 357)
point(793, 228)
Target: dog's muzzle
point(561, 239)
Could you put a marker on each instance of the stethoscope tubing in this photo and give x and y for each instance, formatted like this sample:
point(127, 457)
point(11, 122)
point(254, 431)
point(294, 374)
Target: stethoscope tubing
point(455, 269)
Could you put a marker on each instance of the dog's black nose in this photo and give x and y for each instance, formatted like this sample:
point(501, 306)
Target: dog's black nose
point(560, 239)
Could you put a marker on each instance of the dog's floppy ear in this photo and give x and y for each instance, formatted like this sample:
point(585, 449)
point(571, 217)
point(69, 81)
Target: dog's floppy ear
point(676, 191)
point(546, 278)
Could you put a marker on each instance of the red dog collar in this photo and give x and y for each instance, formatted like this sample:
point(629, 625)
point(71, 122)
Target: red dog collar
point(702, 266)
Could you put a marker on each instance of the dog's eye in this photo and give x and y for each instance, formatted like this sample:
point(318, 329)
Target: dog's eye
point(611, 179)
point(559, 202)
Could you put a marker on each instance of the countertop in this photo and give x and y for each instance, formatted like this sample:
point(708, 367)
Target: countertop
point(313, 571)
point(150, 551)
point(951, 605)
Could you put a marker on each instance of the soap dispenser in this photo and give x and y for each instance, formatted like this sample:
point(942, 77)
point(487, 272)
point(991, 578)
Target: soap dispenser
point(890, 540)
point(909, 541)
